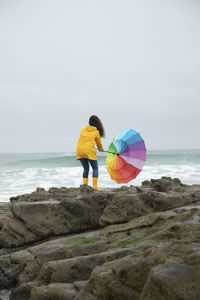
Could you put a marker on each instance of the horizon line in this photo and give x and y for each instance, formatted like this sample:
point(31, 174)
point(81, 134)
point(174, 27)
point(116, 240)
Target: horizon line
point(73, 152)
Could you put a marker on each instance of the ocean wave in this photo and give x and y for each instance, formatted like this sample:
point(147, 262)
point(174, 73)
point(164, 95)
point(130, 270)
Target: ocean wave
point(26, 180)
point(22, 173)
point(191, 157)
point(52, 161)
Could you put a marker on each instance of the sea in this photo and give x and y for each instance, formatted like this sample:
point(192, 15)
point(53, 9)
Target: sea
point(23, 172)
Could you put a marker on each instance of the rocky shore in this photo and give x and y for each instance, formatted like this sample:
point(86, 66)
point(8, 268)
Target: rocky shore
point(130, 243)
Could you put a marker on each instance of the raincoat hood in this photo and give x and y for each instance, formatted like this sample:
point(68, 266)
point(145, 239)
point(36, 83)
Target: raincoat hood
point(90, 128)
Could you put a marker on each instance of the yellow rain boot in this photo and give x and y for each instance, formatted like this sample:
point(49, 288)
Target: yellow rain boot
point(85, 180)
point(95, 181)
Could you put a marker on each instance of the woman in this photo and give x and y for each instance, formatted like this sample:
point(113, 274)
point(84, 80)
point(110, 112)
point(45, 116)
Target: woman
point(86, 152)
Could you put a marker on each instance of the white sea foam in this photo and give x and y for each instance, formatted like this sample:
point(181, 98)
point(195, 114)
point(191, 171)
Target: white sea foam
point(23, 173)
point(19, 181)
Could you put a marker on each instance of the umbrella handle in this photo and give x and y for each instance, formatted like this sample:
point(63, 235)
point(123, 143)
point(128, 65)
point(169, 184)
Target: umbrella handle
point(110, 152)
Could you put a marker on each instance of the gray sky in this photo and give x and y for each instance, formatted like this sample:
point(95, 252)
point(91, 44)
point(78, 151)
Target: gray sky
point(134, 63)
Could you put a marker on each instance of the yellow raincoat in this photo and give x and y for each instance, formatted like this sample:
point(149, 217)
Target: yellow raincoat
point(89, 137)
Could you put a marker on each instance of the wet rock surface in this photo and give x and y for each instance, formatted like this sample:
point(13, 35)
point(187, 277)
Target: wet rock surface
point(127, 243)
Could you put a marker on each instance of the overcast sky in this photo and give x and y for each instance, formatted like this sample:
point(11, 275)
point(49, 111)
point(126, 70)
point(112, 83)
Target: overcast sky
point(134, 63)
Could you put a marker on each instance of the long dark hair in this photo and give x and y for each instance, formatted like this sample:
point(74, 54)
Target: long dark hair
point(96, 122)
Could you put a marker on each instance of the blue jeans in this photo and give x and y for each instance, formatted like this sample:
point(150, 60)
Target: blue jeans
point(85, 163)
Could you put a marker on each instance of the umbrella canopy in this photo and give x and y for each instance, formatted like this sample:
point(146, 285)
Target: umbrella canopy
point(126, 156)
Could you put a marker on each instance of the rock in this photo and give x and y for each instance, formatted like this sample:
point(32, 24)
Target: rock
point(3, 220)
point(58, 291)
point(40, 189)
point(193, 258)
point(77, 243)
point(120, 209)
point(16, 266)
point(5, 214)
point(44, 214)
point(34, 221)
point(88, 249)
point(23, 292)
point(159, 201)
point(78, 268)
point(24, 265)
point(172, 281)
point(120, 279)
point(165, 184)
point(39, 217)
point(14, 233)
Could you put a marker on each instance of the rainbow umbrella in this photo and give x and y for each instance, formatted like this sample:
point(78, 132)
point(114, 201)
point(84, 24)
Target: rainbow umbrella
point(126, 156)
